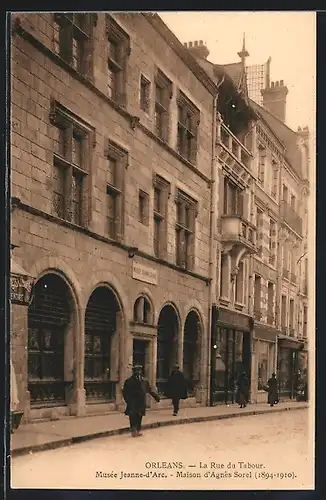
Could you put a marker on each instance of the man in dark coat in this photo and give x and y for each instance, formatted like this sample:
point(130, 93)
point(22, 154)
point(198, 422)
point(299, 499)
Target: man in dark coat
point(134, 393)
point(243, 390)
point(177, 388)
point(272, 390)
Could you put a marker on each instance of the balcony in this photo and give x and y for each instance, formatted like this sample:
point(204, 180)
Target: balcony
point(291, 218)
point(238, 232)
point(233, 145)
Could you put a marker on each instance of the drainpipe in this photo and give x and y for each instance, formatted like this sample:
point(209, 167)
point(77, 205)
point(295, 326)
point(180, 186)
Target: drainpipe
point(212, 250)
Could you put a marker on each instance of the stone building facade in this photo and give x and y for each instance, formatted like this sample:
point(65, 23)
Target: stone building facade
point(261, 293)
point(111, 160)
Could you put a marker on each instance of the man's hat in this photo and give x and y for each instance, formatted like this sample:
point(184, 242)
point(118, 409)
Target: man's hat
point(136, 368)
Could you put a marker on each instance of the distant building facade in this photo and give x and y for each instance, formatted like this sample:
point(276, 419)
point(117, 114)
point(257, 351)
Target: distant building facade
point(263, 277)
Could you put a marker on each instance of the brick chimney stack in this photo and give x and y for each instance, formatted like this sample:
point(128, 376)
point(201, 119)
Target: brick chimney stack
point(274, 99)
point(197, 49)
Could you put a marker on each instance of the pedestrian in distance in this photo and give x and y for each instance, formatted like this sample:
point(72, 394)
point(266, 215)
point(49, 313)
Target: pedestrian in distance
point(272, 390)
point(134, 393)
point(243, 390)
point(177, 388)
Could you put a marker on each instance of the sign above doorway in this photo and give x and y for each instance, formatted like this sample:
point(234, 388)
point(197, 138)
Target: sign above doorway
point(144, 273)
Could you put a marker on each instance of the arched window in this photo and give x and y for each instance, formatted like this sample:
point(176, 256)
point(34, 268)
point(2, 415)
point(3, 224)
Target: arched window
point(100, 326)
point(143, 311)
point(48, 318)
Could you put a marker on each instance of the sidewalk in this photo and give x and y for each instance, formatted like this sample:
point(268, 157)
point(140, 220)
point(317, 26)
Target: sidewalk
point(54, 434)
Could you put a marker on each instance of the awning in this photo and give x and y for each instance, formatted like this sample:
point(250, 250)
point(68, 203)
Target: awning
point(290, 342)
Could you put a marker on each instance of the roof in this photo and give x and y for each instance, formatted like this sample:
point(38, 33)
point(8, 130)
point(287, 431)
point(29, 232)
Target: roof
point(234, 70)
point(157, 22)
point(285, 134)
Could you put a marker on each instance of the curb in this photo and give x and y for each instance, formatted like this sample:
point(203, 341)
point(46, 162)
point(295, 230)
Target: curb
point(124, 430)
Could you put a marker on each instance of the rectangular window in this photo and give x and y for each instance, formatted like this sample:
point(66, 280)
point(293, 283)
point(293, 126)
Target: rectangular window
point(117, 160)
point(233, 199)
point(285, 193)
point(283, 313)
point(272, 242)
point(188, 120)
point(71, 165)
point(161, 192)
point(118, 49)
point(274, 180)
point(185, 230)
point(239, 284)
point(259, 224)
point(270, 304)
point(144, 96)
point(261, 164)
point(291, 317)
point(257, 297)
point(143, 205)
point(305, 319)
point(72, 34)
point(163, 93)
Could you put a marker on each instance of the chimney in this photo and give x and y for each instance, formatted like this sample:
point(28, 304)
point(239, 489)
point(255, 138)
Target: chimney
point(198, 49)
point(274, 99)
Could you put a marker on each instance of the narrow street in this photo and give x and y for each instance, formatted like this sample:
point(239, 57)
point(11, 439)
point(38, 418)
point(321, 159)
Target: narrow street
point(256, 452)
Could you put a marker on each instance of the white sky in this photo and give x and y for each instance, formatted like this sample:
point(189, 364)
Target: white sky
point(288, 37)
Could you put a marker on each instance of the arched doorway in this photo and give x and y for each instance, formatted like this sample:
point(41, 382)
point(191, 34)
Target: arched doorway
point(49, 316)
point(191, 353)
point(100, 327)
point(167, 346)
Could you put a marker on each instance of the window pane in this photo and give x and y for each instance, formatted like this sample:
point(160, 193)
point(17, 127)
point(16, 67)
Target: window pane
point(76, 197)
point(111, 171)
point(77, 149)
point(77, 54)
point(56, 37)
point(113, 50)
point(111, 82)
point(111, 215)
point(58, 190)
point(157, 200)
point(59, 141)
point(158, 122)
point(157, 237)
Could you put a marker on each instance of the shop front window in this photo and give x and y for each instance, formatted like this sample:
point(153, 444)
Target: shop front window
point(263, 365)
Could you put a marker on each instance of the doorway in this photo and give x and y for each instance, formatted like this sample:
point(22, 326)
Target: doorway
point(140, 355)
point(230, 357)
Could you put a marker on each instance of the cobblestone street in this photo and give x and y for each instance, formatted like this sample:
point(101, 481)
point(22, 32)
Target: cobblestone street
point(194, 456)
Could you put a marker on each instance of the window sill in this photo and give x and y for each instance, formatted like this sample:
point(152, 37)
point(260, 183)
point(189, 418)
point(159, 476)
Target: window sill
point(224, 301)
point(239, 305)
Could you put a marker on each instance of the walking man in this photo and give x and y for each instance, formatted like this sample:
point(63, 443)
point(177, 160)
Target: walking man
point(177, 388)
point(134, 393)
point(243, 390)
point(272, 390)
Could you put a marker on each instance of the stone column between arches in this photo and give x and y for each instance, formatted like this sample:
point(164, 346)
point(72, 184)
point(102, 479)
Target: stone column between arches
point(77, 405)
